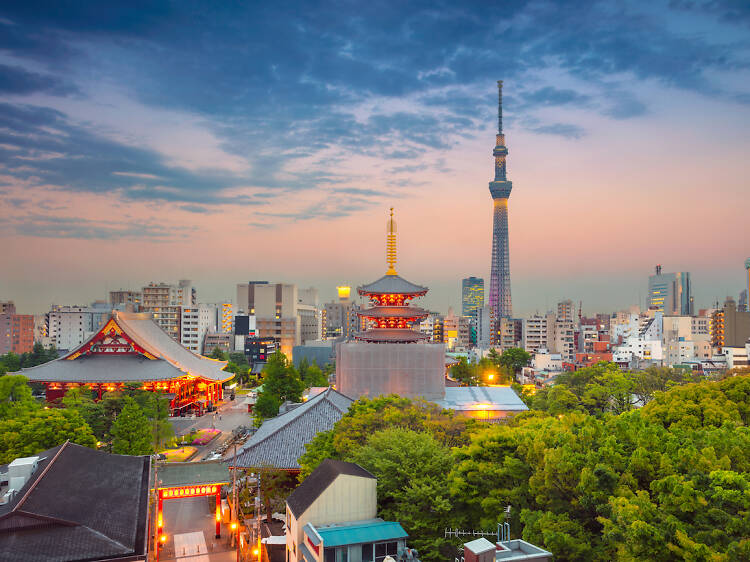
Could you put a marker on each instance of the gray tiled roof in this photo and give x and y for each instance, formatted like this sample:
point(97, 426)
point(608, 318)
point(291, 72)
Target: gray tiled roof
point(103, 368)
point(280, 441)
point(95, 505)
point(391, 284)
point(149, 335)
point(183, 473)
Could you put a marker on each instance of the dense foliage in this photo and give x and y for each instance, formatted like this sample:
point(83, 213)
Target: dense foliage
point(27, 428)
point(12, 362)
point(282, 382)
point(493, 369)
point(588, 473)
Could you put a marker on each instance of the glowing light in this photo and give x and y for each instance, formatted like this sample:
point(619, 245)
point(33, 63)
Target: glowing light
point(218, 514)
point(233, 526)
point(163, 538)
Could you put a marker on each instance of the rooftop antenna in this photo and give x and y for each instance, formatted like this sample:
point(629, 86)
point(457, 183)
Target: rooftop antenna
point(390, 249)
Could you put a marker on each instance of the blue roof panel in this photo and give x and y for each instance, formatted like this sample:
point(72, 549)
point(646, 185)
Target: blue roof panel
point(373, 531)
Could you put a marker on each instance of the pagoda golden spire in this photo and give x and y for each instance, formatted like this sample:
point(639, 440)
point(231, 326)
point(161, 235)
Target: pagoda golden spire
point(390, 248)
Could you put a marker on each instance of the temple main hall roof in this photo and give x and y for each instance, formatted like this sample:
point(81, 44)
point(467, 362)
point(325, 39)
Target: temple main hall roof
point(392, 284)
point(164, 358)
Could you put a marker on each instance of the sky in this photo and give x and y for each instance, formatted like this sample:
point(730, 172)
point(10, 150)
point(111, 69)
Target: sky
point(233, 141)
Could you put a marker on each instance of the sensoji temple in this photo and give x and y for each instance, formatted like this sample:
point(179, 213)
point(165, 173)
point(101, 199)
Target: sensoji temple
point(132, 348)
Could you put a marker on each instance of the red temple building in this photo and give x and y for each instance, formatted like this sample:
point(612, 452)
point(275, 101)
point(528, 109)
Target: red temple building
point(132, 348)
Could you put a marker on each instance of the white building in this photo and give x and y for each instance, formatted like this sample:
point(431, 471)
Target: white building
point(543, 360)
point(538, 332)
point(485, 323)
point(70, 326)
point(195, 322)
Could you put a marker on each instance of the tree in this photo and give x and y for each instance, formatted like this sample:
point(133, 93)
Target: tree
point(314, 377)
point(218, 354)
point(281, 383)
point(131, 431)
point(15, 396)
point(464, 372)
point(37, 430)
point(411, 468)
point(275, 486)
point(514, 359)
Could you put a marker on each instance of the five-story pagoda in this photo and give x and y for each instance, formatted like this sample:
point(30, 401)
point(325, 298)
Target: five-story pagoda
point(390, 316)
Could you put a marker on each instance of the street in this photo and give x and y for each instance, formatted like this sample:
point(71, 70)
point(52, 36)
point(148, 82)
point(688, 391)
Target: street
point(190, 528)
point(229, 416)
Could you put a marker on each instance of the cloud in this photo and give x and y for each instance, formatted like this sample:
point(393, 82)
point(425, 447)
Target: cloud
point(43, 226)
point(15, 80)
point(566, 130)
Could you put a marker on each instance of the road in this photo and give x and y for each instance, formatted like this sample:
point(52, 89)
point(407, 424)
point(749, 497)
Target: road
point(190, 529)
point(230, 415)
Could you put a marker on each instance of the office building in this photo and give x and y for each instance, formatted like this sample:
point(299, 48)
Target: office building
point(472, 295)
point(16, 333)
point(70, 326)
point(195, 323)
point(730, 327)
point(456, 334)
point(670, 293)
point(165, 302)
point(566, 311)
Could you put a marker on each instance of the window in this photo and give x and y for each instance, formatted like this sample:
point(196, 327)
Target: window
point(384, 549)
point(330, 555)
point(367, 553)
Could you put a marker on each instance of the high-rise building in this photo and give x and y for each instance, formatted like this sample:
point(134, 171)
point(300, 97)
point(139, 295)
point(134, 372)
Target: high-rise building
point(165, 302)
point(124, 298)
point(485, 326)
point(670, 293)
point(195, 322)
point(16, 333)
point(566, 311)
point(747, 267)
point(509, 333)
point(472, 295)
point(730, 327)
point(278, 311)
point(70, 326)
point(500, 188)
point(742, 302)
point(7, 307)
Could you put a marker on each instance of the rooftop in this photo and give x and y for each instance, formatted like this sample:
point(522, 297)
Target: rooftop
point(280, 441)
point(473, 398)
point(314, 485)
point(53, 516)
point(372, 530)
point(392, 284)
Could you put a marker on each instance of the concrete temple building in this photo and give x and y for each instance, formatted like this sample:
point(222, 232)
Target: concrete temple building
point(390, 356)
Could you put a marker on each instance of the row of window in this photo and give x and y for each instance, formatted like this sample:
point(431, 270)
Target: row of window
point(373, 552)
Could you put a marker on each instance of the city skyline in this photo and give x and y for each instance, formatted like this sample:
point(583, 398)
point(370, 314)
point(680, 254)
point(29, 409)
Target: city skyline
point(249, 160)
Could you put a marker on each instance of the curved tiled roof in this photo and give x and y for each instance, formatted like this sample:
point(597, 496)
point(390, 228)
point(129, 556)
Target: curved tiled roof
point(149, 335)
point(392, 284)
point(393, 312)
point(280, 441)
point(103, 369)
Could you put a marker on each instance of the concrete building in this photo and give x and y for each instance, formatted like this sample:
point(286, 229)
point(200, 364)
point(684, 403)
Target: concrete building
point(124, 299)
point(310, 315)
point(16, 333)
point(432, 327)
point(274, 306)
point(195, 322)
point(70, 326)
point(564, 340)
point(472, 295)
point(730, 327)
point(538, 332)
point(165, 302)
point(509, 333)
point(456, 335)
point(485, 326)
point(685, 339)
point(7, 307)
point(566, 311)
point(670, 293)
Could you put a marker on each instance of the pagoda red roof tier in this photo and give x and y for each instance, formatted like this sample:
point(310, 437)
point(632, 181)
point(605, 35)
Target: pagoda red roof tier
point(408, 312)
point(389, 335)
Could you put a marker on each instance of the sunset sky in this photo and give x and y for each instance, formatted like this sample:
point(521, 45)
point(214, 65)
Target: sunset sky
point(226, 142)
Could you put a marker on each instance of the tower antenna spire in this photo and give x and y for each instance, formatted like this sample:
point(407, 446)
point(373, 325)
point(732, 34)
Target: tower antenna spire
point(390, 246)
point(499, 107)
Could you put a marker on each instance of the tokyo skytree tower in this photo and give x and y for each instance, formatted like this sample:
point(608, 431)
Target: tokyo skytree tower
point(500, 301)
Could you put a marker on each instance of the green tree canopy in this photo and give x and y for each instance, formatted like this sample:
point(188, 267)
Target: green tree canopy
point(131, 431)
point(281, 382)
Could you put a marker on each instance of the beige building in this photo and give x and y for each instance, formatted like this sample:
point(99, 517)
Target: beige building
point(284, 313)
point(332, 515)
point(165, 302)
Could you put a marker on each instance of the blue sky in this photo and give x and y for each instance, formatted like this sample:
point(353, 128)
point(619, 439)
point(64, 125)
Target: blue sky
point(273, 137)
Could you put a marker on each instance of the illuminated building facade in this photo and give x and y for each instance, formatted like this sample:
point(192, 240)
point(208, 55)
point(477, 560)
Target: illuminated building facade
point(670, 293)
point(500, 188)
point(472, 295)
point(132, 348)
